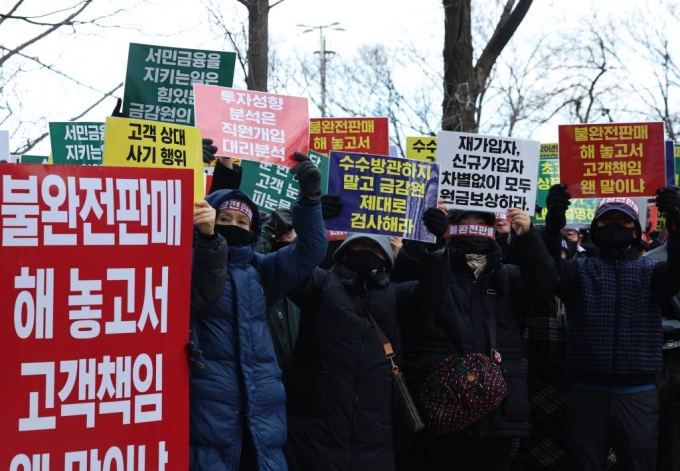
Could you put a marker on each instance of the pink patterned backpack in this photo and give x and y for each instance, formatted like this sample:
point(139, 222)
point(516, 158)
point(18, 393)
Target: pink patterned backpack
point(462, 390)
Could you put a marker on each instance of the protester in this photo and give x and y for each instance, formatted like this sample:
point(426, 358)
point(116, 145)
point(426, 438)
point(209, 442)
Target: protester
point(339, 385)
point(614, 331)
point(237, 400)
point(480, 283)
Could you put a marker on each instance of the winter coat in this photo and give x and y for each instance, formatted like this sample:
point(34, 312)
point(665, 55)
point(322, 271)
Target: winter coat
point(461, 327)
point(339, 386)
point(240, 385)
point(614, 314)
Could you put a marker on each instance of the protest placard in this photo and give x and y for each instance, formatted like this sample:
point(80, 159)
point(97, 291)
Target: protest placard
point(615, 159)
point(677, 163)
point(249, 125)
point(95, 285)
point(273, 187)
point(421, 148)
point(670, 162)
point(360, 135)
point(487, 173)
point(159, 80)
point(581, 211)
point(4, 146)
point(77, 143)
point(382, 195)
point(149, 144)
point(33, 159)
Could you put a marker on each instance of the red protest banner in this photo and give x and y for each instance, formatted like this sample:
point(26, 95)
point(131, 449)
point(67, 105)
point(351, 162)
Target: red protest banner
point(253, 125)
point(95, 290)
point(615, 159)
point(361, 135)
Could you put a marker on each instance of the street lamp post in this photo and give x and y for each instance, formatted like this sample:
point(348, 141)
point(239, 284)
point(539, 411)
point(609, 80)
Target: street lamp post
point(322, 57)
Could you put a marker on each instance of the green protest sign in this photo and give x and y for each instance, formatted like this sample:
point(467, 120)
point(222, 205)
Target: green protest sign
point(581, 211)
point(77, 143)
point(273, 187)
point(33, 159)
point(159, 80)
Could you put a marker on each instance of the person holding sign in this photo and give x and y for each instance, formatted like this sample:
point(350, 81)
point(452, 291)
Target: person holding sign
point(614, 339)
point(339, 385)
point(237, 399)
point(485, 302)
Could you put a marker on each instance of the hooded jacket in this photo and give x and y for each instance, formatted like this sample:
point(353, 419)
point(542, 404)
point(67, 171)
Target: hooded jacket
point(461, 327)
point(339, 386)
point(614, 335)
point(240, 384)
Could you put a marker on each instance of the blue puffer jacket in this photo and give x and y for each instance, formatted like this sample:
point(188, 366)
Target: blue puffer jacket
point(240, 385)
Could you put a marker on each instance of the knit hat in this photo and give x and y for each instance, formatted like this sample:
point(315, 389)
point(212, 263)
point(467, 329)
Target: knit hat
point(382, 241)
point(625, 205)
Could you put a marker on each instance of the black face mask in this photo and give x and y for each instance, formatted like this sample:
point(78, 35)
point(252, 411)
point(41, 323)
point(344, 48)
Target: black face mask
point(236, 236)
point(364, 262)
point(613, 236)
point(472, 244)
point(572, 247)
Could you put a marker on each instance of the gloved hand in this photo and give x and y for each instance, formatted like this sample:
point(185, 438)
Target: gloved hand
point(436, 222)
point(209, 150)
point(194, 355)
point(117, 113)
point(557, 203)
point(280, 222)
point(331, 206)
point(668, 202)
point(308, 176)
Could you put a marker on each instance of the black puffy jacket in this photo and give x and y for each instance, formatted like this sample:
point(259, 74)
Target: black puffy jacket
point(462, 325)
point(339, 384)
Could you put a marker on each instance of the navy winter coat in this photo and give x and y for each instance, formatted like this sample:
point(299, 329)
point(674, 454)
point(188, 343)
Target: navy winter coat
point(240, 385)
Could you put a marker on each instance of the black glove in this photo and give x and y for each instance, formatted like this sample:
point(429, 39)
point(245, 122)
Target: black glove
point(193, 356)
point(435, 221)
point(557, 203)
point(117, 113)
point(308, 176)
point(209, 150)
point(280, 222)
point(668, 202)
point(331, 206)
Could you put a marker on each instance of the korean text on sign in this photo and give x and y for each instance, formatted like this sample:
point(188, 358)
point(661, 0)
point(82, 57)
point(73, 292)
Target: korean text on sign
point(273, 187)
point(77, 143)
point(580, 212)
point(159, 80)
point(601, 160)
point(382, 195)
point(361, 135)
point(98, 261)
point(134, 143)
point(253, 125)
point(421, 148)
point(487, 173)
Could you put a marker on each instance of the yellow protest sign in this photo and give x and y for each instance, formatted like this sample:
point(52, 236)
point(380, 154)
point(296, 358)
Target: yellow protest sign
point(139, 143)
point(421, 148)
point(549, 151)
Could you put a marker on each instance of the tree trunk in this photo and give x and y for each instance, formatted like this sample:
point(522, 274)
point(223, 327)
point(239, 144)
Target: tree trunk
point(463, 80)
point(460, 85)
point(258, 44)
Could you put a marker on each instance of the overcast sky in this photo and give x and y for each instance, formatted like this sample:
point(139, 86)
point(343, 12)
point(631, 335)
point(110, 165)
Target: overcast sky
point(97, 57)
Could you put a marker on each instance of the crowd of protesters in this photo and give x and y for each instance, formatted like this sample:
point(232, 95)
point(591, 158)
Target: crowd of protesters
point(287, 339)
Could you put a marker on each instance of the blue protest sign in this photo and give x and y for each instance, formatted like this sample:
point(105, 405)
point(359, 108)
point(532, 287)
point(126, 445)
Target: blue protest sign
point(383, 195)
point(670, 163)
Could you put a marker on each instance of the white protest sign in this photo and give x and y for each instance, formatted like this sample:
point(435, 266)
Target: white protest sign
point(487, 173)
point(4, 146)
